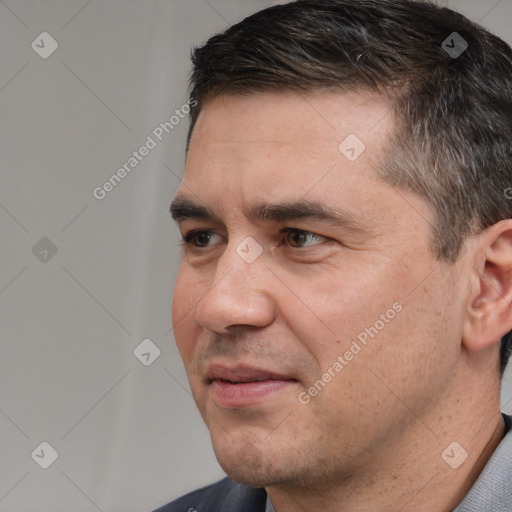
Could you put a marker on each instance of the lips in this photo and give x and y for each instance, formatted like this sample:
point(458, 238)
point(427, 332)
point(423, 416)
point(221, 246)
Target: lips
point(241, 386)
point(242, 374)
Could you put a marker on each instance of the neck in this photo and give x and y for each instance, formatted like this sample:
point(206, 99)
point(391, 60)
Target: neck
point(410, 474)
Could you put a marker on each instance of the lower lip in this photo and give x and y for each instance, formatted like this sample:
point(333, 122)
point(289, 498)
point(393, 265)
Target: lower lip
point(227, 394)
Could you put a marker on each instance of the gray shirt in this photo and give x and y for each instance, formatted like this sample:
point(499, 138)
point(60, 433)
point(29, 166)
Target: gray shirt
point(492, 492)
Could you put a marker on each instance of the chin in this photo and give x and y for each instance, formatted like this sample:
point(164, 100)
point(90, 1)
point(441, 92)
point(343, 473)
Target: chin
point(249, 479)
point(248, 465)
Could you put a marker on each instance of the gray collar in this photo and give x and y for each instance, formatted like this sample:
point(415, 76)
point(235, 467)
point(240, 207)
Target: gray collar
point(269, 507)
point(493, 489)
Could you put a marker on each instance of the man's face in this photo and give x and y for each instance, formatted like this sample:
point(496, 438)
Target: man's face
point(271, 294)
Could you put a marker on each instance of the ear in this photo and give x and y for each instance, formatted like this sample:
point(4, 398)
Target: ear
point(489, 314)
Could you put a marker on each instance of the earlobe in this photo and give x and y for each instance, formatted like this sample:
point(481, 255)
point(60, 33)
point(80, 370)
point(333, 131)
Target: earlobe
point(489, 310)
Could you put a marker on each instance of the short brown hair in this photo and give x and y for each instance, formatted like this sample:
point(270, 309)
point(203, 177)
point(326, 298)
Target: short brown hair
point(453, 105)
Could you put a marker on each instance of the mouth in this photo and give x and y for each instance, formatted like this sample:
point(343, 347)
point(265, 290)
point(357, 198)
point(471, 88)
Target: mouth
point(242, 374)
point(241, 386)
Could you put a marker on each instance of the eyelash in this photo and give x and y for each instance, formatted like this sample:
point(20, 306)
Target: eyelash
point(189, 236)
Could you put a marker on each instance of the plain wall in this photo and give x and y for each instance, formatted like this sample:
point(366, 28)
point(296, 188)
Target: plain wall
point(128, 435)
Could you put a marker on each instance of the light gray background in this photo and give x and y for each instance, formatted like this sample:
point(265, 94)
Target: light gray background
point(128, 436)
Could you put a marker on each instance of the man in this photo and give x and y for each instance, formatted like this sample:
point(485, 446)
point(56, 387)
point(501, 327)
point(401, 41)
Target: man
point(343, 303)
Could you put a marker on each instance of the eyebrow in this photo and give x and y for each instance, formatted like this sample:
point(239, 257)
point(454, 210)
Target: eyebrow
point(183, 208)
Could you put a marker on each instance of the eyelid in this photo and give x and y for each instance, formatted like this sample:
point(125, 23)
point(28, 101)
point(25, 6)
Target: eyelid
point(300, 230)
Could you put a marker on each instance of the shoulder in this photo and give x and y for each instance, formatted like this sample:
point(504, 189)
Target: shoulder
point(224, 495)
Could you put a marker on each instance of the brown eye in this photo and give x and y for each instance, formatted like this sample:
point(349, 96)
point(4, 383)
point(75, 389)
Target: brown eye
point(298, 238)
point(202, 238)
point(198, 238)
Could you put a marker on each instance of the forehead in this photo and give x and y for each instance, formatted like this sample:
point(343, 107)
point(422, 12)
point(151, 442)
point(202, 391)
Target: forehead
point(313, 121)
point(271, 147)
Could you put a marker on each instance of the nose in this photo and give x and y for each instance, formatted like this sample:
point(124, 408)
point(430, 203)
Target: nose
point(239, 295)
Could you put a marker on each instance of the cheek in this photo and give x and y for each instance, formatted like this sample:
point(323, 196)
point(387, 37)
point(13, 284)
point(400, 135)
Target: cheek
point(180, 297)
point(329, 310)
point(184, 297)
